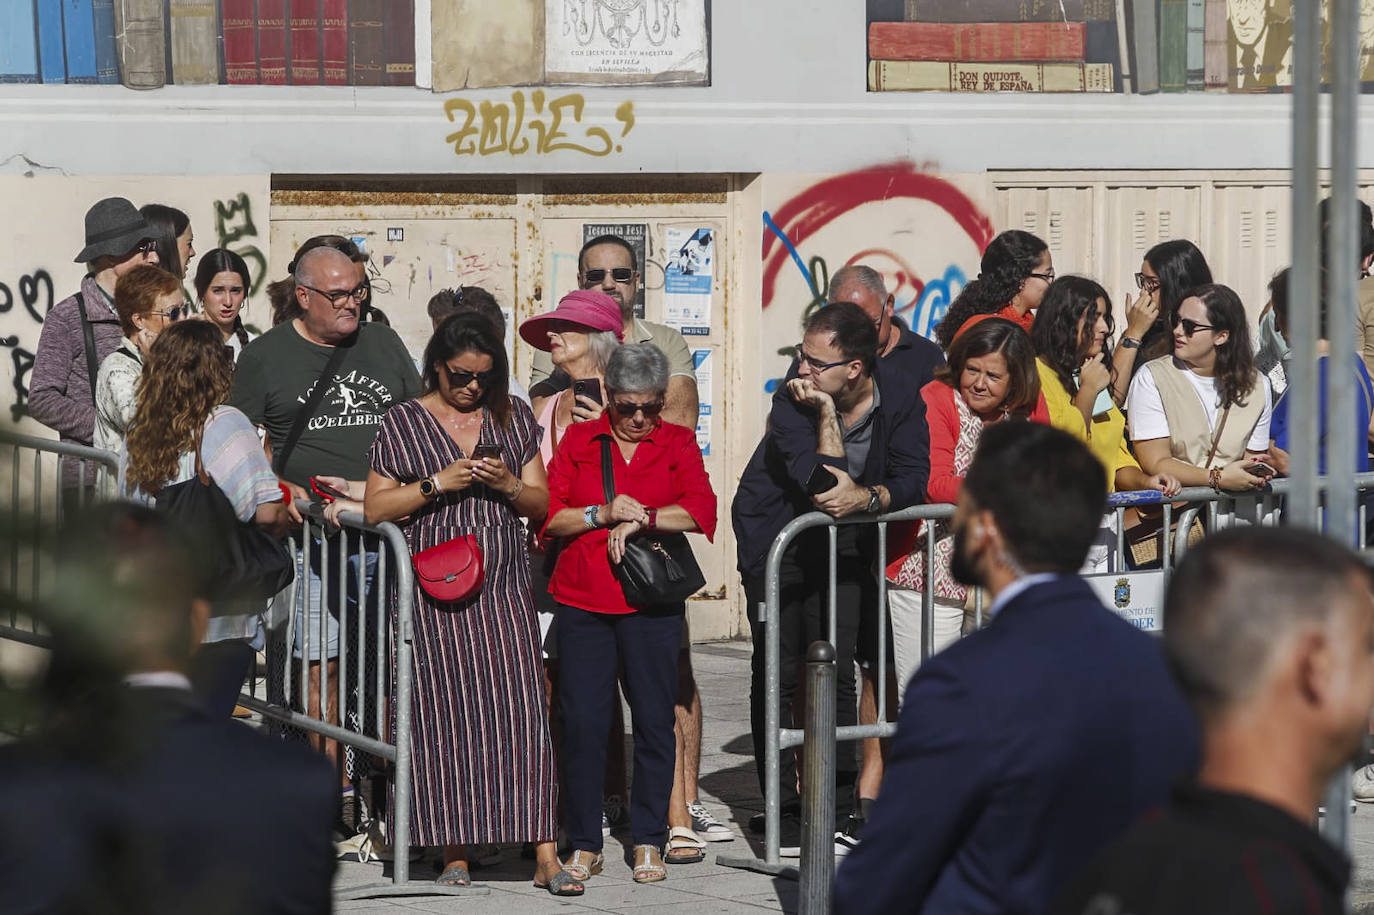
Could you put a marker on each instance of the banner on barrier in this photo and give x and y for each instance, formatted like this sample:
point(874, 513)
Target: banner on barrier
point(1136, 597)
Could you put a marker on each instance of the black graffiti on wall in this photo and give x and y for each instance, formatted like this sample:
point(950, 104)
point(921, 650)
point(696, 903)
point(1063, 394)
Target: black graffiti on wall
point(35, 294)
point(234, 223)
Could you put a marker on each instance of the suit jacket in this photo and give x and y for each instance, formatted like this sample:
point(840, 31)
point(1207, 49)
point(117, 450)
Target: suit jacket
point(202, 815)
point(1021, 751)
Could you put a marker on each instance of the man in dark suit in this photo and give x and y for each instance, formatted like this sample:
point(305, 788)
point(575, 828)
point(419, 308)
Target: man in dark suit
point(1026, 747)
point(160, 807)
point(1269, 631)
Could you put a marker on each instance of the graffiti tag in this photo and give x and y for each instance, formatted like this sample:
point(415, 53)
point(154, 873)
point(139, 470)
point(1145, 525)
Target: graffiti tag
point(490, 127)
point(234, 223)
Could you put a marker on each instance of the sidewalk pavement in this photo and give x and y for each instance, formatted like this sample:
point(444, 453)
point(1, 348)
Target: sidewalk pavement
point(730, 791)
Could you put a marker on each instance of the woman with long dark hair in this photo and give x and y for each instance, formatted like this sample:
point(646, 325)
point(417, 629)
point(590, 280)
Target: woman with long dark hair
point(463, 459)
point(222, 284)
point(1168, 271)
point(1072, 338)
point(181, 413)
point(172, 236)
point(1202, 414)
point(1014, 273)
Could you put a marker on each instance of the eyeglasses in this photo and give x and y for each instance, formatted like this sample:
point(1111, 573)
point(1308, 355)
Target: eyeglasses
point(619, 274)
point(463, 379)
point(816, 364)
point(1146, 283)
point(650, 410)
point(171, 314)
point(337, 299)
point(1190, 326)
point(1047, 276)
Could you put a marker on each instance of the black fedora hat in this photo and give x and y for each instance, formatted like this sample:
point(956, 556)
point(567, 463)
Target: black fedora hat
point(113, 227)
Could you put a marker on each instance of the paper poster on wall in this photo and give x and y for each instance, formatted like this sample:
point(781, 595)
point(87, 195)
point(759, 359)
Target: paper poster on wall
point(636, 234)
point(688, 273)
point(1137, 597)
point(626, 42)
point(705, 366)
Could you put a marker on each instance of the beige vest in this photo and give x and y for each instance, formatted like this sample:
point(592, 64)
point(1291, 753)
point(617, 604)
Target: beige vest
point(1190, 435)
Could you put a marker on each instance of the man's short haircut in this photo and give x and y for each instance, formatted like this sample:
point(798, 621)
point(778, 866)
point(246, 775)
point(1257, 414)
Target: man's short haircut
point(857, 274)
point(1045, 490)
point(1234, 598)
point(448, 302)
point(851, 331)
point(307, 263)
point(137, 292)
point(609, 240)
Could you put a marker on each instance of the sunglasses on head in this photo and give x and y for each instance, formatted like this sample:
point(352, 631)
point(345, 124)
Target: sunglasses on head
point(458, 379)
point(650, 410)
point(619, 274)
point(1190, 326)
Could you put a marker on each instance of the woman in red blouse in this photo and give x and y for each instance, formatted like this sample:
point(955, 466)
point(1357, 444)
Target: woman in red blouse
point(1013, 275)
point(990, 377)
point(660, 485)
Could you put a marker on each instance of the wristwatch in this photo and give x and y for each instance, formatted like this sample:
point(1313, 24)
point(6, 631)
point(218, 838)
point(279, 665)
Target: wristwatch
point(874, 503)
point(589, 516)
point(1130, 343)
point(652, 523)
point(428, 488)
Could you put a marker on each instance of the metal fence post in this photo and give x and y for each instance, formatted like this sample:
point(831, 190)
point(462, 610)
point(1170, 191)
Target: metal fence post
point(818, 786)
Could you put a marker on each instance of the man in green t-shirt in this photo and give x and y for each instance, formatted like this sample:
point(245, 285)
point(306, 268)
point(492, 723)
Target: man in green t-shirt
point(273, 382)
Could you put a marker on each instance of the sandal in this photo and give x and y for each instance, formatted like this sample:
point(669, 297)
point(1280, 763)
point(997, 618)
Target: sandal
point(583, 865)
point(649, 865)
point(562, 884)
point(454, 875)
point(684, 847)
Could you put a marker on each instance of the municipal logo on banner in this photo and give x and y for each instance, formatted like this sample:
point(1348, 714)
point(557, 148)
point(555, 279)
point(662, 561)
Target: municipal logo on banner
point(1137, 597)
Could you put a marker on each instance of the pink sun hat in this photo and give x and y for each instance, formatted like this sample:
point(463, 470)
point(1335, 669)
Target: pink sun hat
point(592, 309)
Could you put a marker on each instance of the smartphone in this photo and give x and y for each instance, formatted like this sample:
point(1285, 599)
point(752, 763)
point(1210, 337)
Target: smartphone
point(587, 387)
point(1259, 469)
point(486, 450)
point(326, 492)
point(821, 480)
point(1104, 401)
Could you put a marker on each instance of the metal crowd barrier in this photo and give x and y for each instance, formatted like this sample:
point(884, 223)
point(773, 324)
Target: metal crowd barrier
point(372, 601)
point(1221, 510)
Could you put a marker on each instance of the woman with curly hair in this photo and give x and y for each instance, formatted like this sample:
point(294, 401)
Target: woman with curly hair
point(1168, 271)
point(1072, 339)
point(1015, 272)
point(1203, 413)
point(181, 415)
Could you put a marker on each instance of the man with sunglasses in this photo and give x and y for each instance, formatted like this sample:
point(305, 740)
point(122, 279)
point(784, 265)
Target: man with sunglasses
point(847, 435)
point(82, 329)
point(320, 384)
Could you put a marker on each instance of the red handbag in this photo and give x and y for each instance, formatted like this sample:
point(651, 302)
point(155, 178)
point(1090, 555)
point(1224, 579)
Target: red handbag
point(452, 571)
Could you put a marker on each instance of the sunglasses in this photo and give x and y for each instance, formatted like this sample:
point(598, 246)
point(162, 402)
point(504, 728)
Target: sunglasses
point(463, 379)
point(171, 314)
point(1190, 326)
point(619, 274)
point(650, 410)
point(339, 297)
point(1146, 283)
point(146, 247)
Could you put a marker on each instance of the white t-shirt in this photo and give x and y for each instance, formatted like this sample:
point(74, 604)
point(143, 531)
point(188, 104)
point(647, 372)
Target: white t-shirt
point(1146, 409)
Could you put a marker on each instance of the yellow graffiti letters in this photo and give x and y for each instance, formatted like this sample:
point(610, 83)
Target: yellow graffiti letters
point(489, 128)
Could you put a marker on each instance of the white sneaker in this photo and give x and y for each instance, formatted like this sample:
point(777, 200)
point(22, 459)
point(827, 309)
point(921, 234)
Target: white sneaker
point(1362, 784)
point(707, 826)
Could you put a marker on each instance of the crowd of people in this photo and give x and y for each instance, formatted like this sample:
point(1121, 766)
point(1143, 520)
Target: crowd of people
point(553, 486)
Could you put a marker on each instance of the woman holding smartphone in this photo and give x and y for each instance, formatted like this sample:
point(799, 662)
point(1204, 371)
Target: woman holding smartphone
point(1203, 414)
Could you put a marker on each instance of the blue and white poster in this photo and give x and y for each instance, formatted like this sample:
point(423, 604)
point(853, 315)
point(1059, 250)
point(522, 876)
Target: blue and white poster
point(701, 360)
point(688, 274)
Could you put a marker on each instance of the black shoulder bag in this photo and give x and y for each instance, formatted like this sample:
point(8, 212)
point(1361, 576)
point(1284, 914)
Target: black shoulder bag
point(658, 568)
point(279, 455)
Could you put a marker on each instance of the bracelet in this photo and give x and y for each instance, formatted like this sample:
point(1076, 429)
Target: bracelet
point(438, 487)
point(1214, 478)
point(652, 523)
point(519, 488)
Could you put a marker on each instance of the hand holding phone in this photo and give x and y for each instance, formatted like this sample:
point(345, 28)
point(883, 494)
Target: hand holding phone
point(1259, 469)
point(587, 387)
point(821, 480)
point(325, 490)
point(486, 450)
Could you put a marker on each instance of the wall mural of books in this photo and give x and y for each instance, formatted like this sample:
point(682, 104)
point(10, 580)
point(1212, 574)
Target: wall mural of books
point(147, 44)
point(1141, 46)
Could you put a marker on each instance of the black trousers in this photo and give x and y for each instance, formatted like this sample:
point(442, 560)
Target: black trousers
point(645, 645)
point(218, 670)
point(804, 618)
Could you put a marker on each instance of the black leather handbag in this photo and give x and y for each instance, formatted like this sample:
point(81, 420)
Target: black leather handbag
point(657, 568)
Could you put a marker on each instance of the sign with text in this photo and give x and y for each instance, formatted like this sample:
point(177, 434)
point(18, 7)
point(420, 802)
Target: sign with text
point(1136, 597)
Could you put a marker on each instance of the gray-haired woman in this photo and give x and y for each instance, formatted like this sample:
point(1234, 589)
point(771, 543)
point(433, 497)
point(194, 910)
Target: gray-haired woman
point(660, 485)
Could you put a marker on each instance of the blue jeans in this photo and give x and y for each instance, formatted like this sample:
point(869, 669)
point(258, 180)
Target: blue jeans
point(311, 599)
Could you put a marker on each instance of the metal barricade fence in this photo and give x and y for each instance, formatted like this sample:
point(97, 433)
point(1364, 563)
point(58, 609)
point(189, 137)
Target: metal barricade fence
point(359, 576)
point(1222, 510)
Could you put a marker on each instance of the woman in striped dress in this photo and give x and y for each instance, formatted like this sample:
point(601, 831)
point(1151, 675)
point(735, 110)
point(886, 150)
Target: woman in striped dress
point(483, 761)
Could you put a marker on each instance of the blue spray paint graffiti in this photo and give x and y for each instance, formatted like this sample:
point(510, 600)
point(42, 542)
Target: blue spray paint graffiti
point(929, 309)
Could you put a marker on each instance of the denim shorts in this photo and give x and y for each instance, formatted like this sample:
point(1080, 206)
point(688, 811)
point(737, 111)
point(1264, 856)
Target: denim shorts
point(312, 605)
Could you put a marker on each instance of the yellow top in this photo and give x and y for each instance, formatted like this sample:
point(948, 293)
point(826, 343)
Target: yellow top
point(1108, 441)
